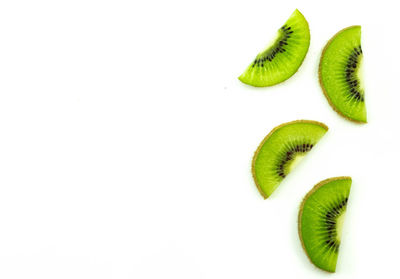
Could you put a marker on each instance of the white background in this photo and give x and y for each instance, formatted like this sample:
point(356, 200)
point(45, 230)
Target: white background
point(126, 141)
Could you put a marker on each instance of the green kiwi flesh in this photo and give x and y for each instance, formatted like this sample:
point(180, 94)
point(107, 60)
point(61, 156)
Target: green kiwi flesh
point(340, 74)
point(283, 57)
point(321, 219)
point(281, 150)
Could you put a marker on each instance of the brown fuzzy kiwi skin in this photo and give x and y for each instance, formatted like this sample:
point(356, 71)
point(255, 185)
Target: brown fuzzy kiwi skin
point(253, 172)
point(315, 188)
point(320, 77)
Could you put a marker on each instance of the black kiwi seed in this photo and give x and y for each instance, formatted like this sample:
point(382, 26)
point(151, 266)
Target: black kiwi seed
point(350, 79)
point(277, 48)
point(330, 224)
point(290, 154)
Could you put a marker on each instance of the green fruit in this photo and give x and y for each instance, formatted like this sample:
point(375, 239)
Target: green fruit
point(340, 74)
point(281, 150)
point(283, 57)
point(321, 219)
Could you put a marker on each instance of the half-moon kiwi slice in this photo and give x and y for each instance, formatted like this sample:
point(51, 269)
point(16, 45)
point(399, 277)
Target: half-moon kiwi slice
point(321, 219)
point(283, 57)
point(340, 74)
point(281, 150)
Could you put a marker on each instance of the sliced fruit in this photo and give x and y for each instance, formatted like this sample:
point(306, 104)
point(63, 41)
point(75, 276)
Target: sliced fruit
point(281, 150)
point(321, 219)
point(283, 57)
point(340, 74)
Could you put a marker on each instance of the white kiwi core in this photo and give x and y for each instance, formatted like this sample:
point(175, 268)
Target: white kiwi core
point(360, 72)
point(339, 226)
point(297, 159)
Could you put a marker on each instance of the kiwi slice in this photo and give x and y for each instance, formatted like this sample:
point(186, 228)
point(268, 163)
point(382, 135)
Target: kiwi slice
point(340, 74)
point(321, 219)
point(281, 150)
point(283, 57)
